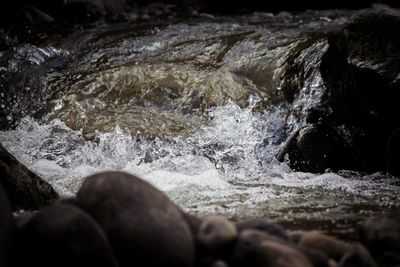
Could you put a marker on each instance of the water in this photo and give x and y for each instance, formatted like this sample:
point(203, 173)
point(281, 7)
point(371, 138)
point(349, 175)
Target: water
point(194, 107)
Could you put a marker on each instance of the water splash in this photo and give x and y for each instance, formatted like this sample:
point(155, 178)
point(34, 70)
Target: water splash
point(226, 167)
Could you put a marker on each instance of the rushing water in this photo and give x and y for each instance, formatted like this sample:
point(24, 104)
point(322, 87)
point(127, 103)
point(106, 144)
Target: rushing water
point(194, 107)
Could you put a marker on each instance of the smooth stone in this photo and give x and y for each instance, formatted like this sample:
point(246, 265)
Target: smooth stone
point(216, 234)
point(333, 248)
point(358, 256)
point(143, 226)
point(7, 230)
point(64, 235)
point(264, 226)
point(256, 248)
point(381, 235)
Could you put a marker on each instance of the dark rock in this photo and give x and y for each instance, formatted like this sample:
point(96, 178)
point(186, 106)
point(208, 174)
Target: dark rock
point(143, 226)
point(381, 235)
point(64, 235)
point(28, 22)
point(256, 248)
point(216, 234)
point(358, 256)
point(7, 230)
point(95, 9)
point(393, 153)
point(25, 189)
point(85, 10)
point(264, 226)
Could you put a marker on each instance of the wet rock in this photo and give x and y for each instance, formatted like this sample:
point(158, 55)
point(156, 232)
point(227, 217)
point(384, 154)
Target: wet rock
point(139, 220)
point(7, 230)
point(264, 226)
point(382, 238)
point(216, 234)
point(67, 236)
point(358, 256)
point(25, 189)
point(256, 248)
point(315, 149)
point(333, 248)
point(360, 72)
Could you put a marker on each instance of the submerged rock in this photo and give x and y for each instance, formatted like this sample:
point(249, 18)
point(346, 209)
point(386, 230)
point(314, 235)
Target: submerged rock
point(143, 226)
point(25, 189)
point(67, 236)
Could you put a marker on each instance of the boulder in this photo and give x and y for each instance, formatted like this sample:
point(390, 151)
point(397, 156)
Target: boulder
point(25, 189)
point(256, 248)
point(63, 235)
point(143, 226)
point(7, 230)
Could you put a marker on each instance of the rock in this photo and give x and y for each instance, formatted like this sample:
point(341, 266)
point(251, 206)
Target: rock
point(25, 189)
point(216, 234)
point(64, 235)
point(143, 226)
point(7, 231)
point(333, 248)
point(381, 235)
point(393, 153)
point(264, 226)
point(358, 256)
point(256, 248)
